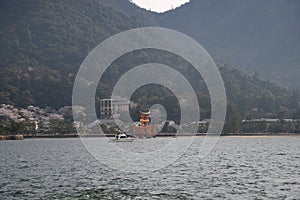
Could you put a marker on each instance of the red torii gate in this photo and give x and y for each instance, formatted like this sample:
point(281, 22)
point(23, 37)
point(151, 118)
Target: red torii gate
point(145, 120)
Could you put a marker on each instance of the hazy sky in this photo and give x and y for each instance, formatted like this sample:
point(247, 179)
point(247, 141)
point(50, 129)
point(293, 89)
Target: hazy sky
point(159, 5)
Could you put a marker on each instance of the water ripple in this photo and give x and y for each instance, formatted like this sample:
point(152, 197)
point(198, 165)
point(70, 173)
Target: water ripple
point(237, 168)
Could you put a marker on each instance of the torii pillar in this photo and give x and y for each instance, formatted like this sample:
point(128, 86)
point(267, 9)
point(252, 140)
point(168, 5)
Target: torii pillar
point(145, 119)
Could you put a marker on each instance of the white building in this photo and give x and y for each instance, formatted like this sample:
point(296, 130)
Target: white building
point(110, 107)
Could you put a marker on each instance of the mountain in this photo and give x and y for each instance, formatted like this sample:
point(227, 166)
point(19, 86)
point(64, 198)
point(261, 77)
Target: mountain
point(42, 44)
point(35, 31)
point(257, 36)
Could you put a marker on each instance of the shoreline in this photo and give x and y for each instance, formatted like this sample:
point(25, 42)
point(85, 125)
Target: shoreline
point(163, 135)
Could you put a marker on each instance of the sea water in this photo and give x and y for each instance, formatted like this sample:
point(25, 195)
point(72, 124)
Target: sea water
point(236, 168)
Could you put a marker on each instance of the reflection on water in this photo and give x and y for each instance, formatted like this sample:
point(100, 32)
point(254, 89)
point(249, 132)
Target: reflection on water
point(237, 168)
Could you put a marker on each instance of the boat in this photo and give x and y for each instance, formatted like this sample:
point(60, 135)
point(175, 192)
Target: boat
point(121, 137)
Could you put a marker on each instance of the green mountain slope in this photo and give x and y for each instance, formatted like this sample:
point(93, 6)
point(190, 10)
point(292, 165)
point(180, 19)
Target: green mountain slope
point(260, 36)
point(42, 44)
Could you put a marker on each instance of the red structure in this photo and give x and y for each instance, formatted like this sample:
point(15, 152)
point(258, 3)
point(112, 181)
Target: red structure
point(144, 118)
point(144, 124)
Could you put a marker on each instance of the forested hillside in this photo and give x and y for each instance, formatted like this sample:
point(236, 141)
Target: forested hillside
point(42, 44)
point(258, 36)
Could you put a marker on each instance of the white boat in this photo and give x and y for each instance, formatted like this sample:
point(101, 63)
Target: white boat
point(121, 137)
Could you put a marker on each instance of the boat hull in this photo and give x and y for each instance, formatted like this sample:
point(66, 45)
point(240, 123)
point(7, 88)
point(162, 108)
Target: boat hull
point(122, 140)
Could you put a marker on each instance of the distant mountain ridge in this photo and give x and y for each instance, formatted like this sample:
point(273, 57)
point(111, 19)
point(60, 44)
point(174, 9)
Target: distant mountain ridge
point(64, 30)
point(42, 44)
point(260, 36)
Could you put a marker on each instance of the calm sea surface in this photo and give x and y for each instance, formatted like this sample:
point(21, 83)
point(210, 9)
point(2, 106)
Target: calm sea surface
point(237, 168)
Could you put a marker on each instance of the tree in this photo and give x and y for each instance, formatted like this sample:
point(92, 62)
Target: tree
point(233, 119)
point(296, 115)
point(16, 127)
point(168, 129)
point(2, 129)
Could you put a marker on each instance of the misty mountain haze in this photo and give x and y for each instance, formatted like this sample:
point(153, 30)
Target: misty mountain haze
point(44, 42)
point(260, 36)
